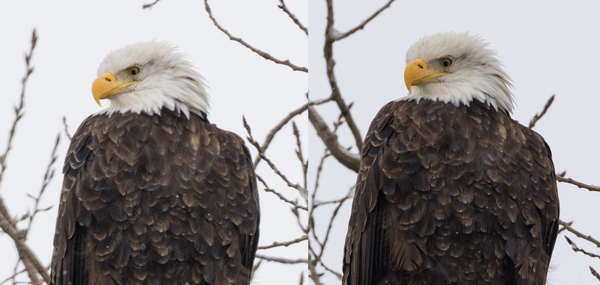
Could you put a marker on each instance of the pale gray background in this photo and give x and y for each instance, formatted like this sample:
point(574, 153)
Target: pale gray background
point(74, 37)
point(547, 47)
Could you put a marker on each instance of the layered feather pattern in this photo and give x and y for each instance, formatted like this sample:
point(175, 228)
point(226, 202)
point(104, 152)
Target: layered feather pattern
point(156, 199)
point(451, 195)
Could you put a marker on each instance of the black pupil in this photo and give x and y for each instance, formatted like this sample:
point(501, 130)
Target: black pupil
point(133, 71)
point(446, 63)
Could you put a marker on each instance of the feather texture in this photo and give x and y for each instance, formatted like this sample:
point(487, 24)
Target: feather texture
point(451, 195)
point(156, 199)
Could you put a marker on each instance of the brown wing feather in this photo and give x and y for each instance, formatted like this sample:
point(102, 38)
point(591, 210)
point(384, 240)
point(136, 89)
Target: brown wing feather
point(449, 195)
point(156, 200)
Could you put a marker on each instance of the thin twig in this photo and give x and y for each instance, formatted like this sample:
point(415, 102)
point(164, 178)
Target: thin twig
point(66, 128)
point(284, 244)
point(15, 270)
point(299, 220)
point(327, 153)
point(30, 261)
point(312, 268)
point(595, 273)
point(577, 183)
point(537, 117)
point(318, 176)
point(577, 249)
point(283, 7)
point(319, 102)
point(145, 6)
point(563, 228)
point(251, 140)
point(303, 163)
point(47, 179)
point(15, 274)
point(276, 129)
point(281, 260)
point(256, 266)
point(578, 234)
point(19, 108)
point(267, 189)
point(337, 274)
point(257, 51)
point(324, 243)
point(364, 23)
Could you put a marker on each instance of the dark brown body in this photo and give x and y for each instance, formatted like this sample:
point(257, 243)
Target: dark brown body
point(451, 195)
point(161, 199)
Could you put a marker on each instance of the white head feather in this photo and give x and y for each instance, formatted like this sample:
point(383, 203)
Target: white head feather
point(475, 74)
point(166, 79)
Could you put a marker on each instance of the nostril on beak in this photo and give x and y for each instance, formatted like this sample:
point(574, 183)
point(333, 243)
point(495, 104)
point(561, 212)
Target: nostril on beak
point(420, 66)
point(107, 79)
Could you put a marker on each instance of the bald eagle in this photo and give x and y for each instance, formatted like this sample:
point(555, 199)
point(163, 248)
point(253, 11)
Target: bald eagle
point(153, 193)
point(451, 190)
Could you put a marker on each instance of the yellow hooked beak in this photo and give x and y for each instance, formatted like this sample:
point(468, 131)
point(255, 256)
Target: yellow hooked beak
point(105, 86)
point(417, 72)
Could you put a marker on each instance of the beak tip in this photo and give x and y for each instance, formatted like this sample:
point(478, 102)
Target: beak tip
point(408, 85)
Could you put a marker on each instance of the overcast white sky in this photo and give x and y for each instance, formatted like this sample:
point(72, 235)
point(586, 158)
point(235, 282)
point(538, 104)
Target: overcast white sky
point(74, 37)
point(547, 47)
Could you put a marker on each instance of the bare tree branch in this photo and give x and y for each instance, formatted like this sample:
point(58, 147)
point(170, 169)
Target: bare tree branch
point(276, 129)
point(303, 163)
point(146, 6)
point(595, 273)
point(66, 128)
point(47, 179)
point(577, 249)
point(256, 266)
point(313, 271)
point(300, 225)
point(346, 158)
point(326, 154)
point(281, 260)
point(15, 274)
point(578, 234)
point(337, 274)
point(330, 38)
point(364, 23)
point(30, 261)
point(267, 189)
point(577, 183)
point(18, 111)
point(285, 244)
point(318, 176)
point(257, 51)
point(319, 102)
point(283, 7)
point(336, 93)
point(563, 228)
point(537, 117)
point(303, 192)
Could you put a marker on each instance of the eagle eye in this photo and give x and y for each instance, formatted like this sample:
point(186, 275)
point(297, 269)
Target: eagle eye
point(446, 62)
point(134, 70)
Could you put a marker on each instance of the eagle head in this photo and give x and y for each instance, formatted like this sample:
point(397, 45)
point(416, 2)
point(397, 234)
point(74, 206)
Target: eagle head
point(457, 68)
point(147, 76)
